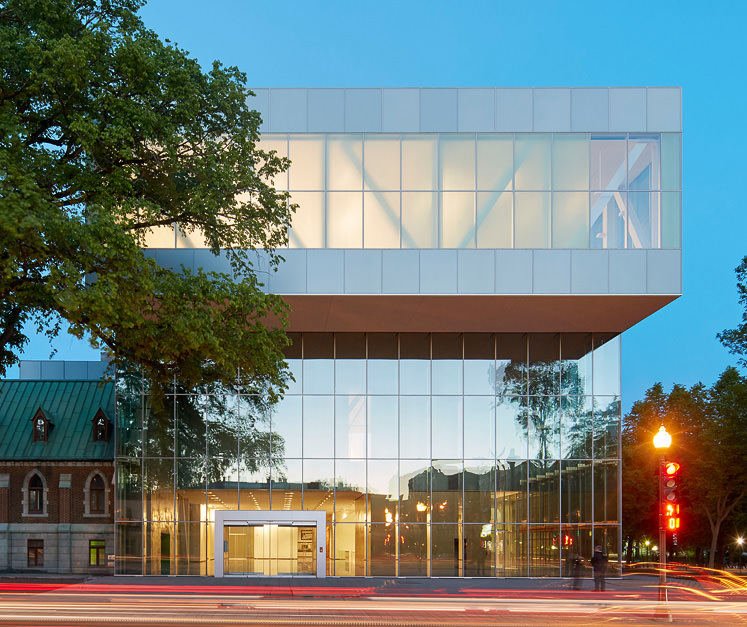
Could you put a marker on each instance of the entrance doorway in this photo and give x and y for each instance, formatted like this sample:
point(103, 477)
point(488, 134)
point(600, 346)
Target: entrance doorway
point(270, 543)
point(269, 550)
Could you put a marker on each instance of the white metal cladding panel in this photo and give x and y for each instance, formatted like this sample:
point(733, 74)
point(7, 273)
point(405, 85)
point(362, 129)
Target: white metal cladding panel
point(452, 271)
point(480, 110)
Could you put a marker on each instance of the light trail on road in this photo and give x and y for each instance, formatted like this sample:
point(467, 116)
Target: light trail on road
point(65, 608)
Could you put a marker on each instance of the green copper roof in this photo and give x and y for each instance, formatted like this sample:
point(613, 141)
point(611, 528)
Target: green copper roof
point(69, 405)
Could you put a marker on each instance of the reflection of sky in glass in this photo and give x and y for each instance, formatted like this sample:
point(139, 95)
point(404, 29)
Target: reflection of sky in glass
point(318, 376)
point(607, 368)
point(414, 376)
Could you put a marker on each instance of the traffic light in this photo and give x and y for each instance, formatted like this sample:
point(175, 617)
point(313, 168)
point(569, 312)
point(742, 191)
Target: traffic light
point(671, 497)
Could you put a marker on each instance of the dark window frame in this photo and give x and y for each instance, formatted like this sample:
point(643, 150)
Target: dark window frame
point(97, 495)
point(39, 427)
point(35, 553)
point(36, 494)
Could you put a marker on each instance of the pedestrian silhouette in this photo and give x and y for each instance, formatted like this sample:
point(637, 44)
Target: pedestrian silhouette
point(599, 564)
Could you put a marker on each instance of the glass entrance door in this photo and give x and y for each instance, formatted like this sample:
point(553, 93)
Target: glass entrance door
point(268, 549)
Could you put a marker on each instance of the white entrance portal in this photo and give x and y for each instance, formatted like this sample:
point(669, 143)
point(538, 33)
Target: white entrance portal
point(269, 543)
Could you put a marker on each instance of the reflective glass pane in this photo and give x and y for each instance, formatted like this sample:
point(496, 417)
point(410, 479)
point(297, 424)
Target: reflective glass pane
point(671, 152)
point(414, 427)
point(643, 220)
point(575, 367)
point(495, 162)
point(381, 220)
point(159, 237)
point(414, 490)
point(544, 553)
point(158, 426)
point(287, 484)
point(254, 428)
point(608, 167)
point(350, 426)
point(307, 225)
point(344, 162)
point(607, 366)
point(129, 425)
point(447, 427)
point(446, 550)
point(383, 490)
point(191, 548)
point(605, 491)
point(532, 162)
point(318, 426)
point(222, 485)
point(479, 550)
point(570, 220)
point(576, 427)
point(344, 220)
point(254, 484)
point(381, 162)
point(158, 538)
point(671, 218)
point(532, 220)
point(129, 500)
point(447, 376)
point(414, 376)
point(544, 364)
point(544, 427)
point(544, 491)
point(383, 438)
point(479, 376)
point(447, 482)
point(221, 416)
point(350, 376)
point(286, 427)
point(457, 170)
point(383, 376)
point(419, 162)
point(350, 490)
point(350, 550)
point(511, 365)
point(643, 162)
point(158, 483)
point(306, 153)
point(479, 427)
point(128, 558)
point(495, 219)
point(479, 492)
point(608, 537)
point(296, 369)
point(511, 432)
point(318, 376)
point(318, 485)
point(607, 222)
point(515, 547)
point(413, 550)
point(457, 220)
point(419, 220)
point(511, 495)
point(576, 485)
point(382, 550)
point(570, 162)
point(606, 427)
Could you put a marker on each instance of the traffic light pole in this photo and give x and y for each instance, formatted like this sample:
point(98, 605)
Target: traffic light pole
point(663, 608)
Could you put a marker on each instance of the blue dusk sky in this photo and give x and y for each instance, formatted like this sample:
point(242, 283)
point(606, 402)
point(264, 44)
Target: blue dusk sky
point(527, 44)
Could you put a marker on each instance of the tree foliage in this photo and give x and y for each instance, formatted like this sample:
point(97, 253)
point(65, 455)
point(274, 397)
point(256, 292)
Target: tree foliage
point(708, 427)
point(736, 339)
point(109, 133)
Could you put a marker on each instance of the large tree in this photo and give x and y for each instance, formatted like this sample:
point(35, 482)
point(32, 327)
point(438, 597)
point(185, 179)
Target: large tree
point(108, 134)
point(708, 427)
point(736, 339)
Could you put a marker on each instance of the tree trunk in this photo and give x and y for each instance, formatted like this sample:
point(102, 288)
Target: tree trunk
point(715, 528)
point(629, 552)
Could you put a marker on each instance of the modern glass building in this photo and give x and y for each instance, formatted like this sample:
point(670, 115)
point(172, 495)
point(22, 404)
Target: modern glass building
point(460, 269)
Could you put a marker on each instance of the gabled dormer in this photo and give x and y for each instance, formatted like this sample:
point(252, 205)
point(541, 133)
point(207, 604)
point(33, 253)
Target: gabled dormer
point(101, 427)
point(40, 426)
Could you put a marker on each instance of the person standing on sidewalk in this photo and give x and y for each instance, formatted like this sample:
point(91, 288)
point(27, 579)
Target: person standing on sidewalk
point(599, 564)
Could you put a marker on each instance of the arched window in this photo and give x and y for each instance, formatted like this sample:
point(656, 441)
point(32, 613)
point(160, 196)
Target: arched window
point(97, 494)
point(36, 495)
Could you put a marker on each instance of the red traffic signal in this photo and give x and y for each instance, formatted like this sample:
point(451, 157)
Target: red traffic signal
point(671, 469)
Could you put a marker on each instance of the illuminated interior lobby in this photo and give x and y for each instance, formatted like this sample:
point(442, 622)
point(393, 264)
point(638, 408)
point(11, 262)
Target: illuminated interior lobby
point(459, 270)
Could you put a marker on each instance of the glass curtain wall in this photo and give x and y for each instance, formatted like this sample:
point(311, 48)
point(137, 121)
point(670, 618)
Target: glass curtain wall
point(431, 455)
point(499, 190)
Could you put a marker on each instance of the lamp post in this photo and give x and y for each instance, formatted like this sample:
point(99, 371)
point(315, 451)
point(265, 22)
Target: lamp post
point(662, 442)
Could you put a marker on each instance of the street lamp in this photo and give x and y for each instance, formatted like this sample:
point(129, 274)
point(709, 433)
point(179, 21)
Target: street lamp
point(662, 441)
point(740, 542)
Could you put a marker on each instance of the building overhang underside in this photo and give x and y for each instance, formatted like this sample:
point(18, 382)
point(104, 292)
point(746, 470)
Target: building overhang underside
point(471, 313)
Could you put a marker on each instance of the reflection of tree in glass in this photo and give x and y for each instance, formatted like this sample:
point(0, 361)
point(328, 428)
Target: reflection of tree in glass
point(544, 382)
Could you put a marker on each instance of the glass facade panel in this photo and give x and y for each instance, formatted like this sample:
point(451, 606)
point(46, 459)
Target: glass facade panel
point(473, 475)
point(381, 220)
point(608, 227)
point(532, 162)
point(306, 153)
point(671, 224)
point(671, 165)
point(495, 162)
point(307, 225)
point(570, 219)
point(570, 162)
point(344, 220)
point(344, 162)
point(495, 220)
point(532, 220)
point(419, 220)
point(643, 220)
point(381, 170)
point(457, 162)
point(608, 164)
point(457, 220)
point(419, 162)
